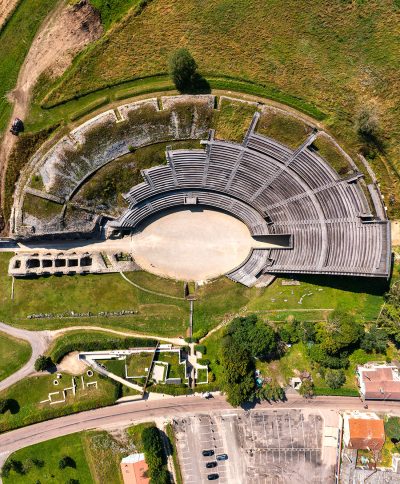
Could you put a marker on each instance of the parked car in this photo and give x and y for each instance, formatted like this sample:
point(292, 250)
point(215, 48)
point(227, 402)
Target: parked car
point(208, 453)
point(222, 457)
point(212, 477)
point(209, 465)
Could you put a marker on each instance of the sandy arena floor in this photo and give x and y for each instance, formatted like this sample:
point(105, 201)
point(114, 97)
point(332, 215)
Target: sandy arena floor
point(194, 245)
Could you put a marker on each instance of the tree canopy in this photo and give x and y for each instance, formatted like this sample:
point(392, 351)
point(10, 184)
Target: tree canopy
point(254, 336)
point(182, 69)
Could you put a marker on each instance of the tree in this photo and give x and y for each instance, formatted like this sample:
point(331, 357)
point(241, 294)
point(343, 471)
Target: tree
point(375, 339)
point(307, 388)
point(237, 378)
point(335, 378)
point(367, 124)
point(253, 335)
point(340, 333)
point(66, 461)
point(392, 428)
point(182, 69)
point(43, 363)
point(3, 406)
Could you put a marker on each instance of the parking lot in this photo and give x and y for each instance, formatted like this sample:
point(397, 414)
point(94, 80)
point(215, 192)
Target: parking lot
point(274, 446)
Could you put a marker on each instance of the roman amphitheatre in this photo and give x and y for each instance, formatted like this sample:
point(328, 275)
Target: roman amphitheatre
point(248, 209)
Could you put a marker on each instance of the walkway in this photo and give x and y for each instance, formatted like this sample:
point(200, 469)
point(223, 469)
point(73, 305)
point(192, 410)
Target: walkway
point(41, 340)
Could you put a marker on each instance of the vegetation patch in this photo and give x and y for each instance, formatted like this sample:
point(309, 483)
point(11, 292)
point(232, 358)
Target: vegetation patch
point(107, 186)
point(41, 207)
point(15, 40)
point(233, 120)
point(26, 146)
point(332, 155)
point(41, 462)
point(93, 341)
point(284, 128)
point(26, 395)
point(14, 353)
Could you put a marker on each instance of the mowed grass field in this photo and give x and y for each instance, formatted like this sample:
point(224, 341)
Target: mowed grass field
point(217, 301)
point(51, 452)
point(339, 56)
point(14, 353)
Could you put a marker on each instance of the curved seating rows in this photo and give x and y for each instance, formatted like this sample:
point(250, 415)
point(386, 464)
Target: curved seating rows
point(295, 192)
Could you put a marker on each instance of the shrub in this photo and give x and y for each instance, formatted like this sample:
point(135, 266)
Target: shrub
point(3, 406)
point(307, 388)
point(67, 461)
point(43, 363)
point(392, 428)
point(201, 348)
point(335, 378)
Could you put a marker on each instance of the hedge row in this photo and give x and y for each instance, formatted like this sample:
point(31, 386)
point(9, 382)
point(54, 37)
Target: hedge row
point(340, 392)
point(67, 346)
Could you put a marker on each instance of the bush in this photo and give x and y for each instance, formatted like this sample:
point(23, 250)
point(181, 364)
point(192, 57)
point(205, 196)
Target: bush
point(203, 361)
point(335, 378)
point(67, 461)
point(307, 388)
point(341, 392)
point(392, 428)
point(43, 363)
point(201, 348)
point(3, 406)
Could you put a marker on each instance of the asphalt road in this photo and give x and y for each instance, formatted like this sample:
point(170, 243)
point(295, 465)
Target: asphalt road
point(132, 412)
point(39, 341)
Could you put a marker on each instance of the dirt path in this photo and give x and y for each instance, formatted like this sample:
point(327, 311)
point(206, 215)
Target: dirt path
point(6, 7)
point(66, 31)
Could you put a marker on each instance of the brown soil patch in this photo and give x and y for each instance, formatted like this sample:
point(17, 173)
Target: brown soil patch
point(65, 32)
point(71, 364)
point(6, 7)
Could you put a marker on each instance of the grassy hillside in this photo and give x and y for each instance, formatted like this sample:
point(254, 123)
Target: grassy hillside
point(339, 55)
point(15, 40)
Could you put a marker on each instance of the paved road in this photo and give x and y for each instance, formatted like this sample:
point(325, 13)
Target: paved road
point(39, 341)
point(128, 413)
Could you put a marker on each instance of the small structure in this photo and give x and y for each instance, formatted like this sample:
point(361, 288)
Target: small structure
point(17, 127)
point(363, 431)
point(134, 469)
point(379, 382)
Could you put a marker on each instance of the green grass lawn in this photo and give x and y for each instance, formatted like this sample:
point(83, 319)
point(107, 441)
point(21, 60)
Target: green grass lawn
point(114, 366)
point(175, 370)
point(50, 452)
point(137, 364)
point(40, 207)
point(219, 300)
point(14, 353)
point(28, 393)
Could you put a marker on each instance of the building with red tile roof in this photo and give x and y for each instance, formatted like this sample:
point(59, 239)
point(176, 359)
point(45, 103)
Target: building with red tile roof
point(134, 469)
point(363, 431)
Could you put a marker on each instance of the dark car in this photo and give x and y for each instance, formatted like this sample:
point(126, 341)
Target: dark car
point(208, 453)
point(222, 457)
point(212, 477)
point(209, 465)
